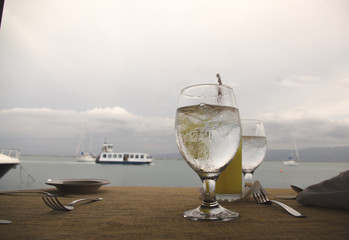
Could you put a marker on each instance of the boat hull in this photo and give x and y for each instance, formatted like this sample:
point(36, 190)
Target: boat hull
point(86, 158)
point(290, 163)
point(124, 162)
point(4, 168)
point(9, 158)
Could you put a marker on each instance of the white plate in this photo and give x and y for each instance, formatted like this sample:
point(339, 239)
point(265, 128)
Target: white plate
point(81, 185)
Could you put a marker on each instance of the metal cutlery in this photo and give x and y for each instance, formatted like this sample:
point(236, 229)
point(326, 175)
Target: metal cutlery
point(25, 192)
point(55, 204)
point(4, 221)
point(262, 199)
point(286, 197)
point(296, 189)
point(51, 200)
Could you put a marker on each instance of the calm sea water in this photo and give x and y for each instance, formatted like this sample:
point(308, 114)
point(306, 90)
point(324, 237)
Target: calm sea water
point(34, 172)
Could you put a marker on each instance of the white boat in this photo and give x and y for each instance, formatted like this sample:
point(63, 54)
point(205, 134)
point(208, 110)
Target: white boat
point(294, 159)
point(291, 162)
point(86, 157)
point(9, 158)
point(109, 156)
point(81, 154)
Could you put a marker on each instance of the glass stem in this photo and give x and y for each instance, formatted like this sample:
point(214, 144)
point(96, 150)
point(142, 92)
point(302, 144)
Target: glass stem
point(209, 193)
point(248, 179)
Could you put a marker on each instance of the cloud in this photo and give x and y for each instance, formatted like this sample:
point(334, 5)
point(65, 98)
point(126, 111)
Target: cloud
point(309, 132)
point(119, 67)
point(44, 130)
point(50, 131)
point(295, 81)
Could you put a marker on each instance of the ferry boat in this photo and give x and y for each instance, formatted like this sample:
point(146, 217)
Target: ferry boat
point(109, 156)
point(9, 158)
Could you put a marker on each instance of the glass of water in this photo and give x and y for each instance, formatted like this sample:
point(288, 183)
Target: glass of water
point(208, 132)
point(254, 147)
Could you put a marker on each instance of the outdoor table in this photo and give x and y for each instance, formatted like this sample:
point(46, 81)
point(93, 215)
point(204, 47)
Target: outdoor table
point(157, 213)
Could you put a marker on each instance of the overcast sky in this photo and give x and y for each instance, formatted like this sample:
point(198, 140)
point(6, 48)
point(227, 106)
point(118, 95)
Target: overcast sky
point(118, 67)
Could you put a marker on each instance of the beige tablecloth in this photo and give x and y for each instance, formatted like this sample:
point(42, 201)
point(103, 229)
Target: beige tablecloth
point(156, 213)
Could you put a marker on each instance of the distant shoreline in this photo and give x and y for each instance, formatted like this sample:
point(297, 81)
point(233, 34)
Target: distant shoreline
point(328, 154)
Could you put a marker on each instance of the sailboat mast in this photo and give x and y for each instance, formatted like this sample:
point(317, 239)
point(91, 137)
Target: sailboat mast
point(295, 146)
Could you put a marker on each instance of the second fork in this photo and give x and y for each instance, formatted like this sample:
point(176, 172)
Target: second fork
point(262, 199)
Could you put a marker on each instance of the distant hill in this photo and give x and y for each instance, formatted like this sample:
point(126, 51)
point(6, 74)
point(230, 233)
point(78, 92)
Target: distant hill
point(329, 154)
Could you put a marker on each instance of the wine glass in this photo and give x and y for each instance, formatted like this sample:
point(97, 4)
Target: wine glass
point(254, 147)
point(208, 132)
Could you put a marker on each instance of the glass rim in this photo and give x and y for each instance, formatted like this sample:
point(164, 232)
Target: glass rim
point(250, 120)
point(207, 84)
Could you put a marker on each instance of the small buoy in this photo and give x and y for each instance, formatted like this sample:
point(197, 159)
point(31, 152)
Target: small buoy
point(280, 170)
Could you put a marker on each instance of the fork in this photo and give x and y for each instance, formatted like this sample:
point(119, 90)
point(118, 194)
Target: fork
point(30, 192)
point(55, 204)
point(51, 200)
point(263, 199)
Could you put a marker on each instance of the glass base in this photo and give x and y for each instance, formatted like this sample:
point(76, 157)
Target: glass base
point(228, 197)
point(218, 214)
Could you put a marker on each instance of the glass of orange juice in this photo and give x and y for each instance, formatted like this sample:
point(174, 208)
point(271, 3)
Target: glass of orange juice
point(229, 183)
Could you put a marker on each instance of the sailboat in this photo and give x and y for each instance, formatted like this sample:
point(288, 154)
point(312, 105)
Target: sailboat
point(291, 162)
point(81, 155)
point(294, 159)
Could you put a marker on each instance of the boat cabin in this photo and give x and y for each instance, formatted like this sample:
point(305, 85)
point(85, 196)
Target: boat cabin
point(109, 156)
point(125, 156)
